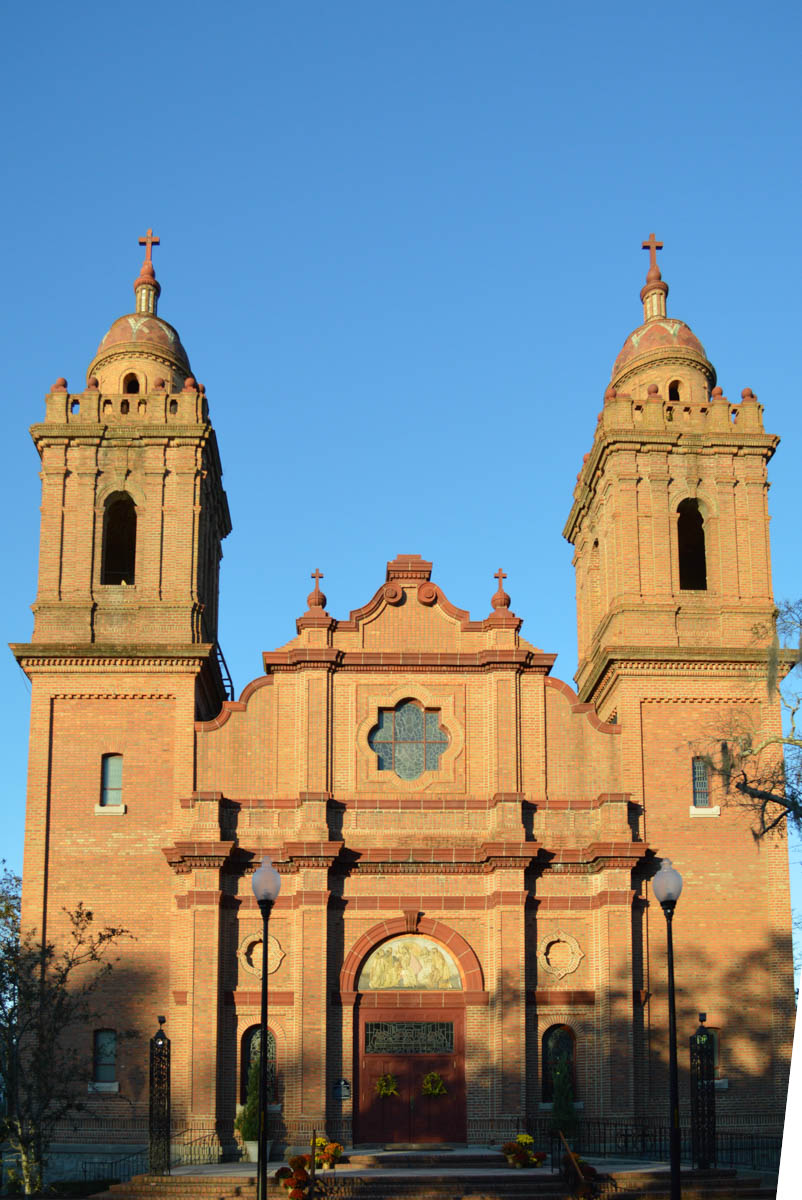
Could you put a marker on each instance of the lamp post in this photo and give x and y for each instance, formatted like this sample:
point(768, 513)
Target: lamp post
point(266, 884)
point(667, 885)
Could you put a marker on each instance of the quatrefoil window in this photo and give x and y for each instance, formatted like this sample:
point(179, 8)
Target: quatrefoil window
point(408, 739)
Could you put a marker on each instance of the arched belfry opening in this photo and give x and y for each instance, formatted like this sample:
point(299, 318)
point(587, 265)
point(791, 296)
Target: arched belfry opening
point(118, 561)
point(131, 385)
point(691, 547)
point(673, 392)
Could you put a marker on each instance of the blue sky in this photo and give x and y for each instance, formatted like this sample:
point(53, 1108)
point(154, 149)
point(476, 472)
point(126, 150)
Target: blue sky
point(401, 243)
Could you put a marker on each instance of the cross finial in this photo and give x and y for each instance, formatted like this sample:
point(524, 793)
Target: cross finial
point(652, 245)
point(316, 599)
point(149, 241)
point(500, 599)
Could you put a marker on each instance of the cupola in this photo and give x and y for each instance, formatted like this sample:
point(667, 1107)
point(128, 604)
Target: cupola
point(141, 348)
point(663, 351)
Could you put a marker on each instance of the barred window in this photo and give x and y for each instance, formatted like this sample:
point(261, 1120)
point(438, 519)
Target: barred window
point(251, 1049)
point(558, 1056)
point(701, 783)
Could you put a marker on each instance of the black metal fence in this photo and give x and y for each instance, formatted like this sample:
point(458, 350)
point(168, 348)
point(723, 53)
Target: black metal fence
point(620, 1139)
point(195, 1152)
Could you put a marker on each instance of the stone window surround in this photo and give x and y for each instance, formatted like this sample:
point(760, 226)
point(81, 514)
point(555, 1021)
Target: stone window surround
point(411, 689)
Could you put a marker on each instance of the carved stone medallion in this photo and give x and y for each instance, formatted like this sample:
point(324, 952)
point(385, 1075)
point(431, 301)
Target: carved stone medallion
point(250, 954)
point(559, 953)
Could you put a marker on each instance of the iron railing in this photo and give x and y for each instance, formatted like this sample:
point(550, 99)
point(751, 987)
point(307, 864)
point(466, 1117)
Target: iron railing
point(621, 1139)
point(196, 1152)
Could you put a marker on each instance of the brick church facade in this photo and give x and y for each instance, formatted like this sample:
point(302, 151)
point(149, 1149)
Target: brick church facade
point(465, 842)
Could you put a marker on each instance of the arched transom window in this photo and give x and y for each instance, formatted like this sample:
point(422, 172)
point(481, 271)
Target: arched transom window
point(408, 739)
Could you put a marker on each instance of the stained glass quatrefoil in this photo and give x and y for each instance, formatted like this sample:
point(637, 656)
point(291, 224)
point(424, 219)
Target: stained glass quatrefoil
point(408, 739)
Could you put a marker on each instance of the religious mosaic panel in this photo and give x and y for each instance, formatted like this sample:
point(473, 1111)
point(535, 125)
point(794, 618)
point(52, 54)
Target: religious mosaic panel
point(412, 962)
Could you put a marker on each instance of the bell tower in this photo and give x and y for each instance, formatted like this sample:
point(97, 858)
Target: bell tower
point(669, 523)
point(133, 506)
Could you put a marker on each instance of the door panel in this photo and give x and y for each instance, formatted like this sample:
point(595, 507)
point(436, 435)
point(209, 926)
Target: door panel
point(422, 1036)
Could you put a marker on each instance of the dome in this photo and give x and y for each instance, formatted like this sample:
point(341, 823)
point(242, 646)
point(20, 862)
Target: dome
point(660, 339)
point(141, 350)
point(144, 332)
point(140, 338)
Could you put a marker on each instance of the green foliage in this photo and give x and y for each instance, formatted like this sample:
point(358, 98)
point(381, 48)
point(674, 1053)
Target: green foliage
point(387, 1085)
point(247, 1121)
point(433, 1085)
point(47, 1003)
point(563, 1115)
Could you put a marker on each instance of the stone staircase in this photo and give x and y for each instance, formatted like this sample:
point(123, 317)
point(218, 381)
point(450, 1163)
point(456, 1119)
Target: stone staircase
point(421, 1175)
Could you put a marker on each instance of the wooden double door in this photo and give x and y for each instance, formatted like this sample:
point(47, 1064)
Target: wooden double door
point(404, 1047)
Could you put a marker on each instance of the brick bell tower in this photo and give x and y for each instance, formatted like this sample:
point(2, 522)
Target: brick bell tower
point(123, 657)
point(670, 521)
point(133, 507)
point(670, 529)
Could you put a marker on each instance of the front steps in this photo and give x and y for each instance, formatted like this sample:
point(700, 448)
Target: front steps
point(440, 1176)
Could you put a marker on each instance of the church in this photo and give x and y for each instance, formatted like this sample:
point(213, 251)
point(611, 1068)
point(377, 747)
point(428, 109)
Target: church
point(465, 841)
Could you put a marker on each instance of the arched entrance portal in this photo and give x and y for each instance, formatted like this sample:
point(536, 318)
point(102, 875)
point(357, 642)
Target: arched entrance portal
point(410, 1034)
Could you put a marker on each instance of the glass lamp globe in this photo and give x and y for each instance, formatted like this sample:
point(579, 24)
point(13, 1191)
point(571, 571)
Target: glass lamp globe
point(266, 881)
point(667, 883)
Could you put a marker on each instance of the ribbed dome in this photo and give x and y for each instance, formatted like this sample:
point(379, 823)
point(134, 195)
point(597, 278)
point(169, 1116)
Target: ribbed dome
point(144, 332)
point(659, 339)
point(141, 342)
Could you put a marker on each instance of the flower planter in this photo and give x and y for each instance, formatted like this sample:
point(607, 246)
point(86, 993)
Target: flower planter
point(252, 1150)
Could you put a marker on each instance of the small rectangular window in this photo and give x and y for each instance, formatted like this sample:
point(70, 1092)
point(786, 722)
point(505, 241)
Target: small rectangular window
point(111, 780)
point(701, 783)
point(104, 1056)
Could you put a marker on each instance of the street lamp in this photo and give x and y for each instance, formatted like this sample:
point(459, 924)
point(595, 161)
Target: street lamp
point(266, 883)
point(667, 885)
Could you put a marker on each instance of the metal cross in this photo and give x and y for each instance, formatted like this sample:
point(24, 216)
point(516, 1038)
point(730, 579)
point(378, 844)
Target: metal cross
point(150, 241)
point(499, 575)
point(317, 575)
point(652, 245)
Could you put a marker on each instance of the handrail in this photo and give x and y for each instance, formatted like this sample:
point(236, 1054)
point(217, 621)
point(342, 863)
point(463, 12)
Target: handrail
point(197, 1151)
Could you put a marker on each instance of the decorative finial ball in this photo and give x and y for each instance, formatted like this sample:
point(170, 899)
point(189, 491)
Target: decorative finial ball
point(189, 384)
point(93, 384)
point(718, 391)
point(611, 393)
point(316, 599)
point(158, 385)
point(500, 599)
point(60, 385)
point(652, 389)
point(748, 394)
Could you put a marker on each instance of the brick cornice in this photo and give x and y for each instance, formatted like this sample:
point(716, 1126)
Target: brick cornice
point(615, 662)
point(33, 656)
point(303, 657)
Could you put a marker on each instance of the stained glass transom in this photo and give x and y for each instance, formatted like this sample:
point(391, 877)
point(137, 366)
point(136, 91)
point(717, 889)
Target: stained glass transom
point(409, 1037)
point(408, 739)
